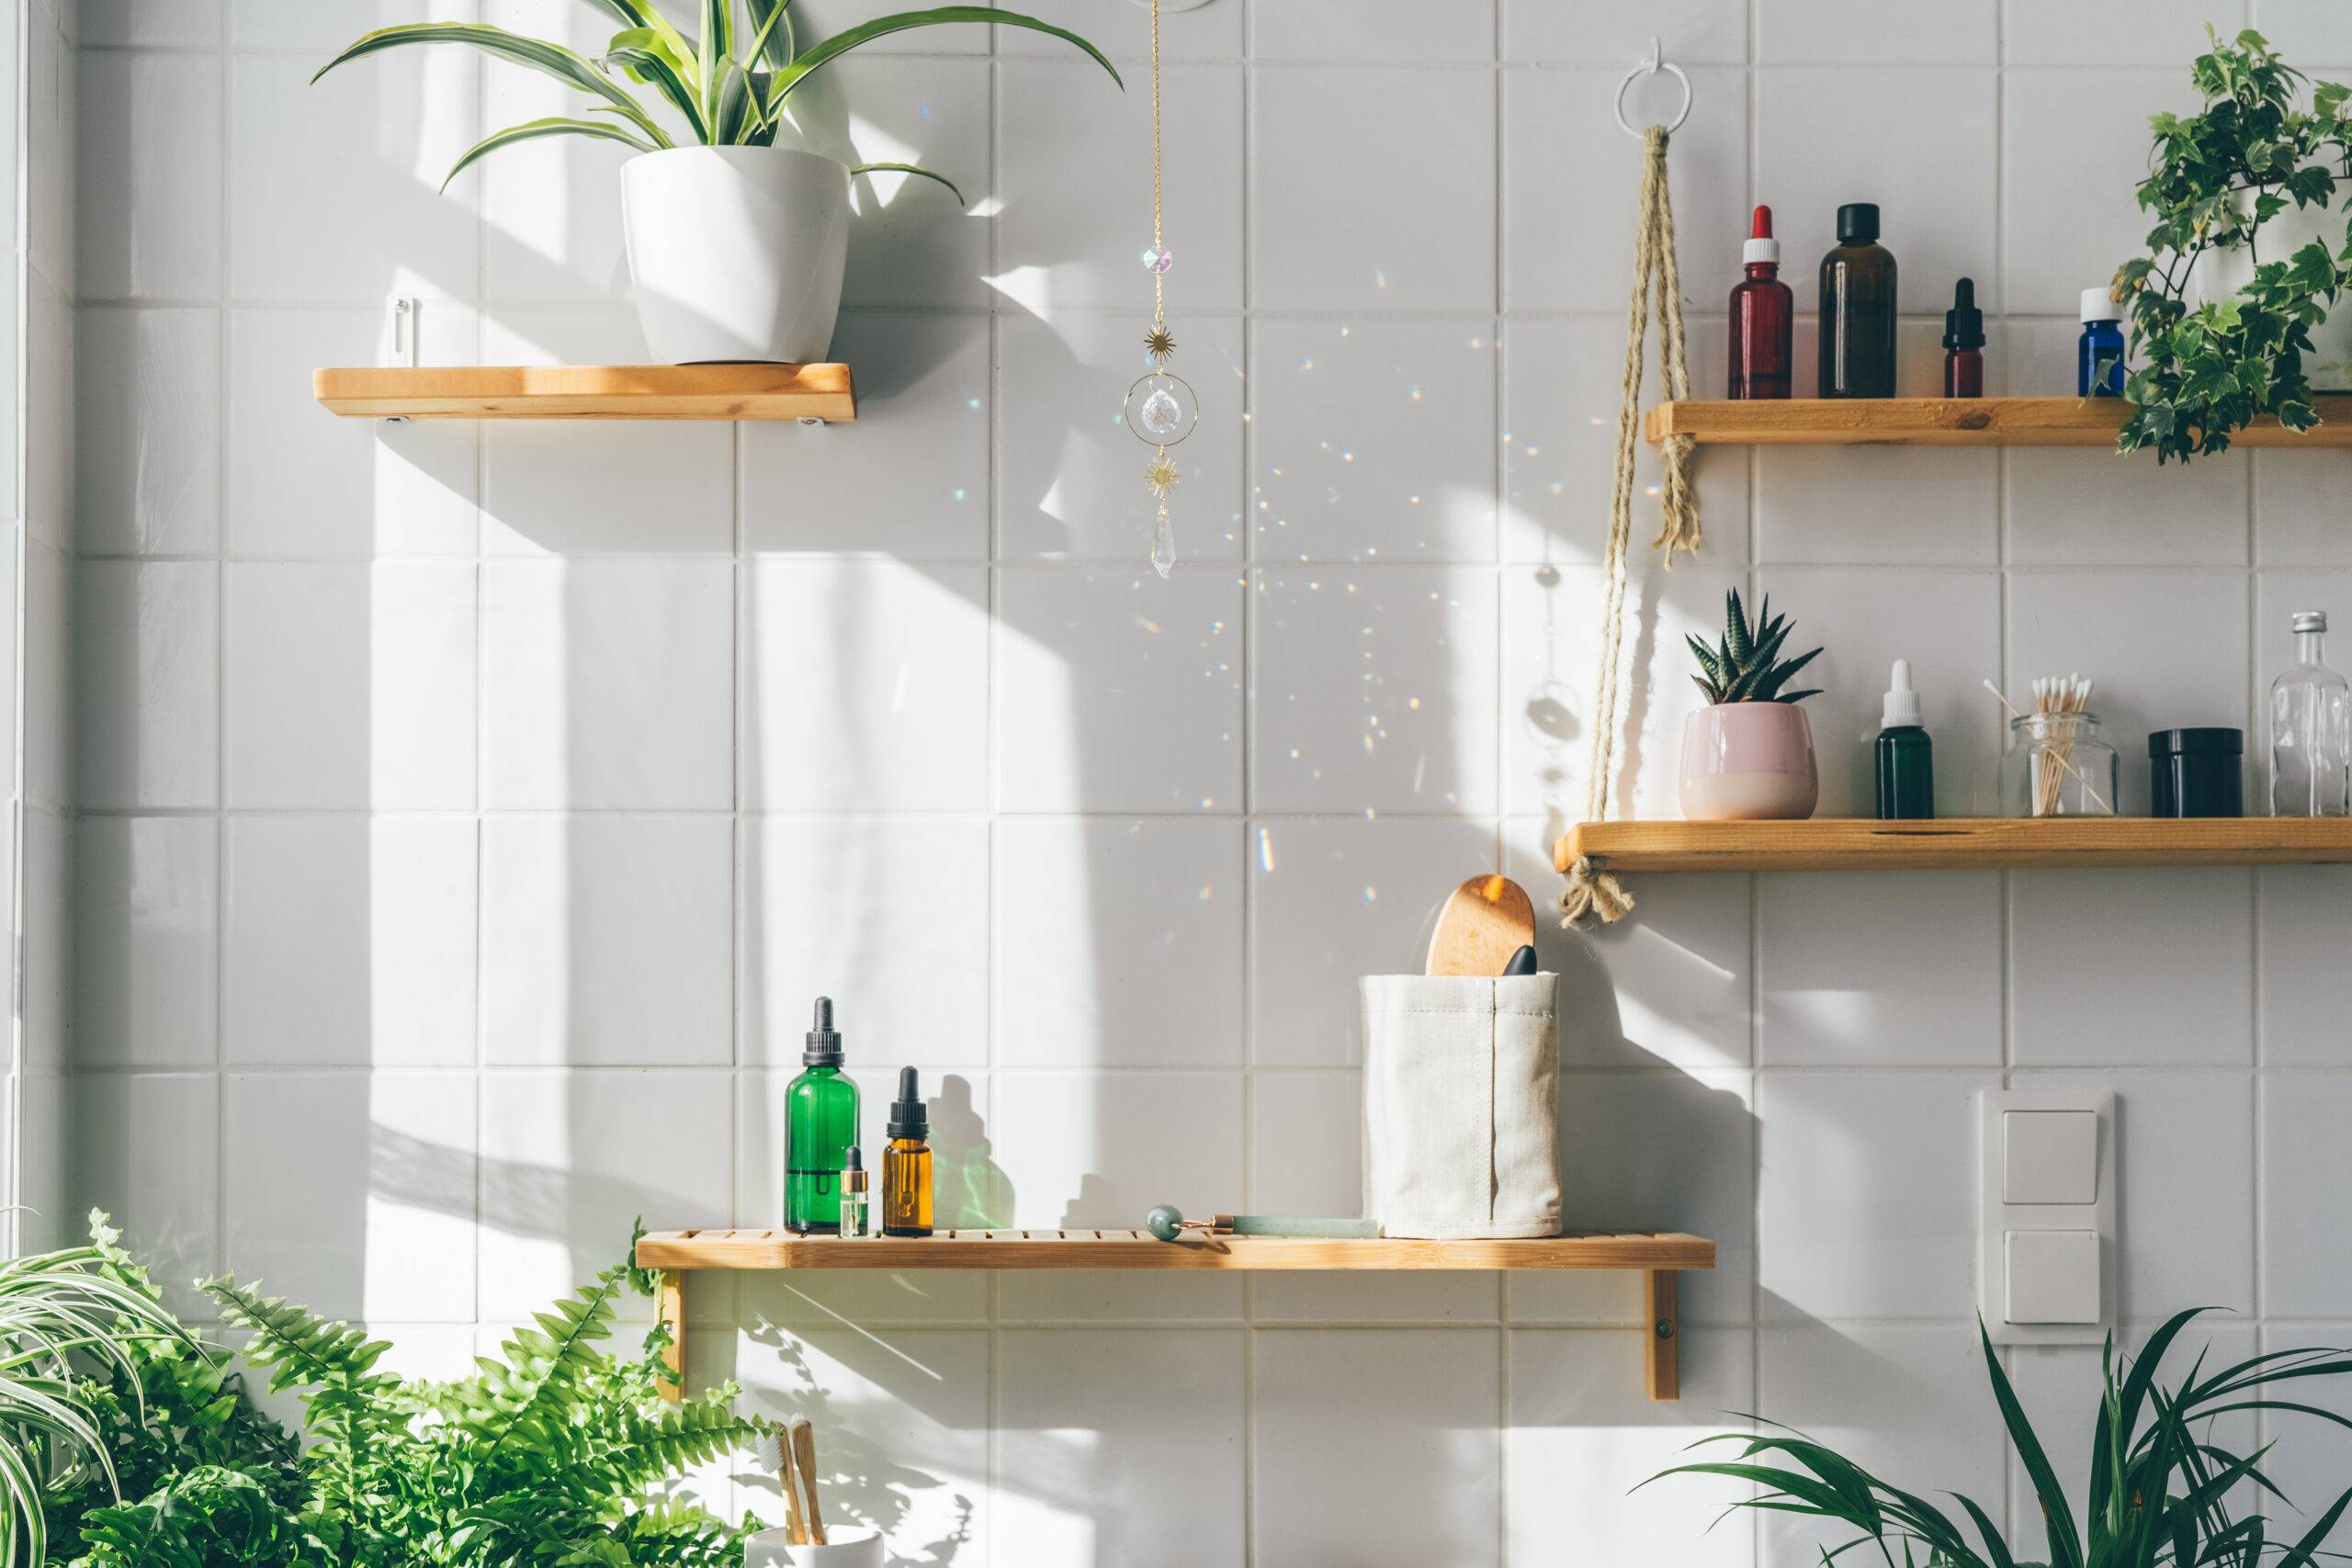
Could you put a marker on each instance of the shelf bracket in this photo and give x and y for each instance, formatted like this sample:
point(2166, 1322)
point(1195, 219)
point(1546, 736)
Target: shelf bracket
point(1665, 1358)
point(671, 1307)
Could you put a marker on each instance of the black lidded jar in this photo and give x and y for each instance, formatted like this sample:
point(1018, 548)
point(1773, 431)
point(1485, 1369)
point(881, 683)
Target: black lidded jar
point(2197, 772)
point(1858, 309)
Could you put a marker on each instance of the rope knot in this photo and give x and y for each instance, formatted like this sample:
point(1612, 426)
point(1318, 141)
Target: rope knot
point(1592, 891)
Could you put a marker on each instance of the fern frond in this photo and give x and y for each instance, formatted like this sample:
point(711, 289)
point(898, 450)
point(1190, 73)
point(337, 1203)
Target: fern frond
point(295, 1345)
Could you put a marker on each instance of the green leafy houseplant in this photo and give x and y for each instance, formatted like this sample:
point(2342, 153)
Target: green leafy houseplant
point(2159, 1482)
point(731, 86)
point(1746, 666)
point(2218, 177)
point(557, 1451)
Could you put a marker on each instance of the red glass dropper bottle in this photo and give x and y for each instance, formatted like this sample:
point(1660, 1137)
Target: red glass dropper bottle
point(1762, 310)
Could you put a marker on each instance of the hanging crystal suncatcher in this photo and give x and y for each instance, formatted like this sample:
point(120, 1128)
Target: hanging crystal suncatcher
point(1161, 408)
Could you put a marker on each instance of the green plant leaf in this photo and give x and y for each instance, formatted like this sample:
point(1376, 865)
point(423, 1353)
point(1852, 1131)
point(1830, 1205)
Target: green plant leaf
point(909, 169)
point(2058, 1519)
point(773, 20)
point(647, 57)
point(532, 131)
point(552, 59)
point(818, 55)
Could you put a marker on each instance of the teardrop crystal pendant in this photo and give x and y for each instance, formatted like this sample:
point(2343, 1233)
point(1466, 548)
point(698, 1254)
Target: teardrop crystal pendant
point(1163, 546)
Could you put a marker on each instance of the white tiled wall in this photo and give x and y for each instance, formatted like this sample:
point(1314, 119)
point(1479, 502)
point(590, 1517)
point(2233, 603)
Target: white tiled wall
point(466, 816)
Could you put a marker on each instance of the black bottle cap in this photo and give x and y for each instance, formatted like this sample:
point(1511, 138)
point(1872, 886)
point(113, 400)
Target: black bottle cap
point(2208, 742)
point(1965, 323)
point(1858, 223)
point(910, 1117)
point(823, 1046)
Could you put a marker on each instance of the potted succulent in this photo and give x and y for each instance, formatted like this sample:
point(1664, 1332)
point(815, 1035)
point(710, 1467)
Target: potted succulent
point(2230, 308)
point(1749, 753)
point(736, 242)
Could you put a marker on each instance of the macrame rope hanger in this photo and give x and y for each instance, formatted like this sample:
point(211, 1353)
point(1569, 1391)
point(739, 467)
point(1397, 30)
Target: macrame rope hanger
point(1592, 890)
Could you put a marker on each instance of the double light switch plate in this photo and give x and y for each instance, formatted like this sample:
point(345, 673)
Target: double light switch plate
point(2045, 1238)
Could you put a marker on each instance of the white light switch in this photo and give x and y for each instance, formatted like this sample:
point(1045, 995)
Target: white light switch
point(2054, 1275)
point(2050, 1156)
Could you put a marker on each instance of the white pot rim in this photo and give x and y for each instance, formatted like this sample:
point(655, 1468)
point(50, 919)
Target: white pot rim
point(739, 155)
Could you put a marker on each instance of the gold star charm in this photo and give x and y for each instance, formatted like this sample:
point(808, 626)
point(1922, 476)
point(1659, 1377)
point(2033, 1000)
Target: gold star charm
point(1161, 477)
point(1160, 344)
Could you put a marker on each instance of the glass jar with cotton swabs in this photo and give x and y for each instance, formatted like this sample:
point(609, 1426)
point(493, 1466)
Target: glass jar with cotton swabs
point(2056, 765)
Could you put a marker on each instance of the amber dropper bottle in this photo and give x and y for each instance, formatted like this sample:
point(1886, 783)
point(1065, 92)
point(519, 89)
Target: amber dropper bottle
point(905, 1163)
point(1964, 343)
point(1763, 309)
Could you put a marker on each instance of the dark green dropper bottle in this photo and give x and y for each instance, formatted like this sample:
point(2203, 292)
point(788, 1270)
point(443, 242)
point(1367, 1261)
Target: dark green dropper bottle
point(819, 1125)
point(1906, 764)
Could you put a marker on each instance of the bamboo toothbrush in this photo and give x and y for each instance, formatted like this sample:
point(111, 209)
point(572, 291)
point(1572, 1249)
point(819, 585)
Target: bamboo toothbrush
point(773, 1456)
point(804, 1459)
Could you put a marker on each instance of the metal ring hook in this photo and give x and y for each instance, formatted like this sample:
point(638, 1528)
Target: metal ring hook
point(1651, 67)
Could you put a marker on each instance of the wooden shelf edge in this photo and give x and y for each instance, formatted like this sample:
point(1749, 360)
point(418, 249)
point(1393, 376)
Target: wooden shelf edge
point(777, 1249)
point(590, 391)
point(1947, 422)
point(1957, 843)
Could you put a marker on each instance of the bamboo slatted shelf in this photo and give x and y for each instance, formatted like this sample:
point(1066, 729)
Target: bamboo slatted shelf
point(1659, 1257)
point(807, 393)
point(1950, 422)
point(1957, 843)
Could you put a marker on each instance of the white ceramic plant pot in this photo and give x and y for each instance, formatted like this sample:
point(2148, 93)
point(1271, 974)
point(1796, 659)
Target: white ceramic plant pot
point(2219, 274)
point(1749, 762)
point(736, 251)
point(845, 1548)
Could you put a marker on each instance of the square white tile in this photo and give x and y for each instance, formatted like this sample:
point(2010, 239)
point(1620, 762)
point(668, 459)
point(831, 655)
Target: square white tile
point(1068, 155)
point(1408, 722)
point(1596, 32)
point(2305, 1164)
point(1571, 188)
point(864, 686)
point(334, 190)
point(2104, 32)
point(146, 1148)
point(381, 1224)
point(48, 895)
point(605, 941)
point(1305, 1143)
point(571, 1159)
point(1839, 32)
point(910, 241)
point(1368, 29)
point(1202, 30)
point(147, 694)
point(1100, 1149)
point(1118, 943)
point(147, 162)
point(2107, 509)
point(1084, 654)
point(1373, 440)
point(606, 684)
point(2068, 221)
point(147, 431)
point(1329, 155)
point(1866, 1209)
point(297, 24)
point(146, 940)
point(1919, 141)
point(2132, 968)
point(570, 487)
point(2166, 650)
point(1071, 1407)
point(1334, 898)
point(2308, 29)
point(1878, 506)
point(351, 940)
point(2302, 909)
point(551, 208)
point(350, 685)
point(2295, 521)
point(922, 389)
point(45, 344)
point(303, 484)
point(1070, 474)
point(1346, 1415)
point(826, 907)
point(187, 22)
point(1860, 970)
point(1583, 1435)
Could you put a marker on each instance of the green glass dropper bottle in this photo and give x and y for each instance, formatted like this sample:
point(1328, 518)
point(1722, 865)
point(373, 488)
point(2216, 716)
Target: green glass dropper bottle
point(1906, 766)
point(820, 1124)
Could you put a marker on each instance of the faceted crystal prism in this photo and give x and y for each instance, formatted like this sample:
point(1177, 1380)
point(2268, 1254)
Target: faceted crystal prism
point(1162, 415)
point(1163, 546)
point(1159, 260)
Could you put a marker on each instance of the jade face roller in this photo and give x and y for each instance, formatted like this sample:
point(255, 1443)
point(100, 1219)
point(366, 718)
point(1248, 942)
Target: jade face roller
point(1167, 1222)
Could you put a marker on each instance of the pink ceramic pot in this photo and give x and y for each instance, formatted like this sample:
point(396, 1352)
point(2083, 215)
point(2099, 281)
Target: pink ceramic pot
point(1742, 762)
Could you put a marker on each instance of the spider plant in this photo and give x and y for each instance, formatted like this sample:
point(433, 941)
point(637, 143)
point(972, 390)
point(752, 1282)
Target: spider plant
point(2159, 1487)
point(56, 1307)
point(731, 84)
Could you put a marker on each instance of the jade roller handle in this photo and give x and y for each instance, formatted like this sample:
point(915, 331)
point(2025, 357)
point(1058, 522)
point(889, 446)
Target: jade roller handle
point(1167, 1221)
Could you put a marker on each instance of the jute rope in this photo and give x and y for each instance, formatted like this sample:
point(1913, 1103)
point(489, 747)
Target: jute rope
point(1590, 890)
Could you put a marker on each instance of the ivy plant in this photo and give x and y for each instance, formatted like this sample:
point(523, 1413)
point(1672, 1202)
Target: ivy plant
point(2216, 177)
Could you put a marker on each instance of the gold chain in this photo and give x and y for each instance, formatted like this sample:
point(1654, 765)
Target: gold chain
point(1159, 302)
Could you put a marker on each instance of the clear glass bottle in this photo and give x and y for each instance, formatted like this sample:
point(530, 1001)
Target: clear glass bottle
point(854, 1198)
point(2310, 730)
point(2057, 766)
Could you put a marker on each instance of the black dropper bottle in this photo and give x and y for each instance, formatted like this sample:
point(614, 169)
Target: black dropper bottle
point(1964, 343)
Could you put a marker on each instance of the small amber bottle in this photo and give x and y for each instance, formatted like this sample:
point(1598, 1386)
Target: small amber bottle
point(905, 1163)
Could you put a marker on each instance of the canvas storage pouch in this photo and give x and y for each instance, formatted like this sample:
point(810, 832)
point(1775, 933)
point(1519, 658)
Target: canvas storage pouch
point(1461, 1104)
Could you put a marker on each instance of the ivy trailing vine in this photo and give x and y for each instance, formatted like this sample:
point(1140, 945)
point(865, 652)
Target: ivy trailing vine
point(2216, 177)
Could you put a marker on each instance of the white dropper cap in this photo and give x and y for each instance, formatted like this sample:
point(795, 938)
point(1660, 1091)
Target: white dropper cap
point(2097, 306)
point(1901, 709)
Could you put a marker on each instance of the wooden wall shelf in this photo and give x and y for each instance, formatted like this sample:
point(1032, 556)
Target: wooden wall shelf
point(807, 393)
point(1949, 422)
point(1957, 843)
point(1658, 1255)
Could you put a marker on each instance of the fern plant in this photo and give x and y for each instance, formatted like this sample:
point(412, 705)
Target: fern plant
point(2160, 1483)
point(731, 84)
point(1742, 668)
